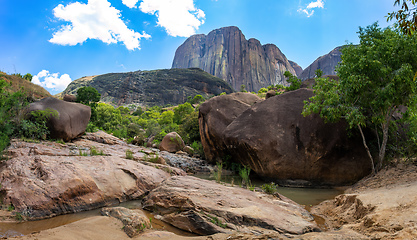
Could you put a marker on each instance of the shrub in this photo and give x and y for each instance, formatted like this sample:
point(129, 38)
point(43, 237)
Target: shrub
point(244, 174)
point(218, 172)
point(129, 154)
point(269, 188)
point(94, 152)
point(198, 148)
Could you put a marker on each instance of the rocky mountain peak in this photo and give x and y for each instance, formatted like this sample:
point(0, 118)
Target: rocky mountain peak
point(225, 53)
point(327, 63)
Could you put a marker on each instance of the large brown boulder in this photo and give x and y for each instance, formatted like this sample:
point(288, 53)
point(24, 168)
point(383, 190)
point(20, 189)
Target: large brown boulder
point(277, 142)
point(215, 115)
point(72, 119)
point(172, 142)
point(206, 207)
point(42, 180)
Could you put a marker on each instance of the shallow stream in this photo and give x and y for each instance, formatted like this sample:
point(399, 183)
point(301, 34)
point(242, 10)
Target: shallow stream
point(304, 196)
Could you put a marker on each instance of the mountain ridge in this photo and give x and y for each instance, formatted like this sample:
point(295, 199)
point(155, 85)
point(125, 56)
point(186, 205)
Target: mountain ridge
point(225, 53)
point(149, 88)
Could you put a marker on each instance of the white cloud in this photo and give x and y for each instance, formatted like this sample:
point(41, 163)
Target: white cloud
point(52, 80)
point(130, 3)
point(317, 4)
point(179, 17)
point(309, 9)
point(95, 20)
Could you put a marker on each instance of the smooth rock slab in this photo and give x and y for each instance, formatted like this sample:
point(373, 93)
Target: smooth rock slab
point(42, 186)
point(205, 207)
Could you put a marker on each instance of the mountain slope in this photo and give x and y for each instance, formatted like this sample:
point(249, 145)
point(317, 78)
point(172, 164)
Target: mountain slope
point(227, 54)
point(327, 63)
point(150, 88)
point(30, 89)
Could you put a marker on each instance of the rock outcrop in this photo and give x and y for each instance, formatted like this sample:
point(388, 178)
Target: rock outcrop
point(150, 88)
point(46, 179)
point(297, 68)
point(205, 207)
point(327, 63)
point(72, 119)
point(215, 115)
point(225, 53)
point(277, 142)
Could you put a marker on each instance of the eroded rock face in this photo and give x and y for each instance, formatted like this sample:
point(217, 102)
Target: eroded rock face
point(205, 207)
point(46, 179)
point(327, 63)
point(72, 119)
point(215, 115)
point(277, 142)
point(225, 53)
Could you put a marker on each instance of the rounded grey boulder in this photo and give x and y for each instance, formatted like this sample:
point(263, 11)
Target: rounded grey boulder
point(72, 119)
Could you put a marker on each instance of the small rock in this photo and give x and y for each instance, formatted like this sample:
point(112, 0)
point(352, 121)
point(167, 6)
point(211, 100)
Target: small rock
point(69, 98)
point(134, 221)
point(172, 142)
point(189, 150)
point(181, 153)
point(270, 93)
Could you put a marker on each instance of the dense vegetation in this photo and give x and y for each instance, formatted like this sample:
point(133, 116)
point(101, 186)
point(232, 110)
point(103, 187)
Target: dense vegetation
point(376, 80)
point(144, 125)
point(12, 116)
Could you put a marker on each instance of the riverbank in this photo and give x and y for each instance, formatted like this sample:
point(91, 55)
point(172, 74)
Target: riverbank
point(380, 207)
point(383, 206)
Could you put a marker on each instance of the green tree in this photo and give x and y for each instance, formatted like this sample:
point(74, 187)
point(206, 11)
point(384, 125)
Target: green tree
point(11, 106)
point(181, 111)
point(87, 95)
point(376, 77)
point(198, 99)
point(293, 80)
point(406, 17)
point(28, 77)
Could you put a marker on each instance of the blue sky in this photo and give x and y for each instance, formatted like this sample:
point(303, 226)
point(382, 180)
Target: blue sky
point(60, 41)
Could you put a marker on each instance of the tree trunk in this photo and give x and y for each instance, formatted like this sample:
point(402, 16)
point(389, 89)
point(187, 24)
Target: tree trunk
point(367, 149)
point(385, 128)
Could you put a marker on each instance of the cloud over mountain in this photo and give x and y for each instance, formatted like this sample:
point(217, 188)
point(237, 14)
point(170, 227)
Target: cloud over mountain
point(180, 18)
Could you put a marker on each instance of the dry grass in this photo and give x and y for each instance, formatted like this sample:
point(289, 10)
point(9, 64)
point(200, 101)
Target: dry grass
point(32, 90)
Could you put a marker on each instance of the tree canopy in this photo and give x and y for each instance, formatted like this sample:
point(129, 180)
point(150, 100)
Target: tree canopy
point(406, 17)
point(87, 95)
point(376, 77)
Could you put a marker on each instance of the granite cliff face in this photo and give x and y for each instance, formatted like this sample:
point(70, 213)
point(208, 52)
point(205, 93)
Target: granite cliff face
point(327, 63)
point(225, 53)
point(150, 88)
point(297, 68)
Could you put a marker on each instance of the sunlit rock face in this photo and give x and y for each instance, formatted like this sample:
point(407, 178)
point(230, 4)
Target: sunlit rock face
point(225, 53)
